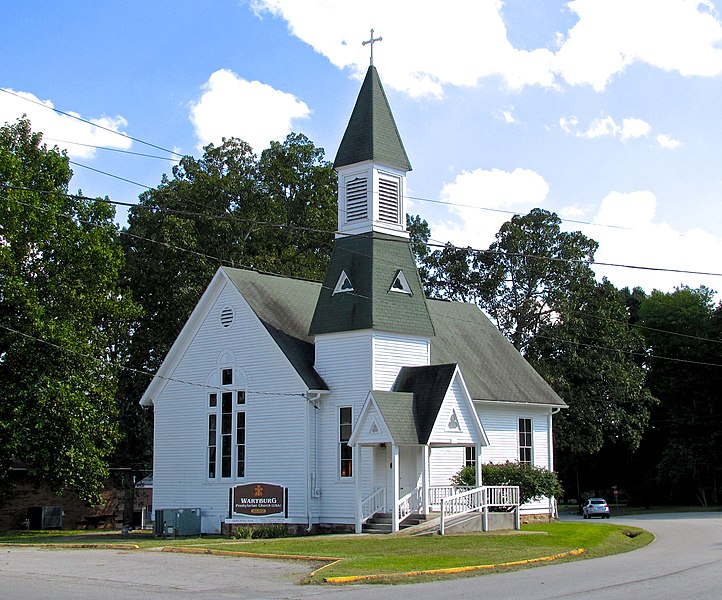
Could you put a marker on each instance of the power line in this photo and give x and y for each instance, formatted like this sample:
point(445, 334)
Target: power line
point(77, 164)
point(230, 263)
point(119, 150)
point(134, 370)
point(77, 118)
point(232, 218)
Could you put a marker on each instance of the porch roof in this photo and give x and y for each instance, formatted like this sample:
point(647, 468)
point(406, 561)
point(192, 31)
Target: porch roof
point(397, 410)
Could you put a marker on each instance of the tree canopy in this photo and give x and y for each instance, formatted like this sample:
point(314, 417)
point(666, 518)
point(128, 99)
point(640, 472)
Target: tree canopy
point(62, 313)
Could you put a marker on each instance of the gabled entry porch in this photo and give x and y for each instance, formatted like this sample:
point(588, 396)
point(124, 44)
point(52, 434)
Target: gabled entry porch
point(400, 477)
point(397, 431)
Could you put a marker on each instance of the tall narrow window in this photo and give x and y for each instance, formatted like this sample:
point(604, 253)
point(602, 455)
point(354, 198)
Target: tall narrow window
point(227, 425)
point(212, 429)
point(226, 433)
point(240, 444)
point(525, 441)
point(470, 456)
point(344, 434)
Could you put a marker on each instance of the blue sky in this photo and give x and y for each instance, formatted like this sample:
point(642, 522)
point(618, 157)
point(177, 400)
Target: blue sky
point(606, 112)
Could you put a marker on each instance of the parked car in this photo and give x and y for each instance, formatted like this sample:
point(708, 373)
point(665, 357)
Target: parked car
point(596, 507)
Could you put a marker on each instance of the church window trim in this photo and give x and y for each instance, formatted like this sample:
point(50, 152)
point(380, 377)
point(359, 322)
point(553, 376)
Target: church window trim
point(345, 426)
point(526, 440)
point(470, 456)
point(226, 428)
point(400, 284)
point(343, 285)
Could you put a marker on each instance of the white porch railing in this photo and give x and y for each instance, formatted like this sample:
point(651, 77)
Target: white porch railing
point(410, 503)
point(480, 499)
point(374, 503)
point(437, 492)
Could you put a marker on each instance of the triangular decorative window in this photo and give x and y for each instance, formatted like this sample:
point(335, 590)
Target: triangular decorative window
point(400, 284)
point(343, 284)
point(453, 422)
point(374, 428)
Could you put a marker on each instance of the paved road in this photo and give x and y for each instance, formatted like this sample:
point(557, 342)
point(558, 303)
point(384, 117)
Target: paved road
point(685, 561)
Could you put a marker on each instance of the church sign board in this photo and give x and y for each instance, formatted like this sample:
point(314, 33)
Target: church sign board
point(259, 499)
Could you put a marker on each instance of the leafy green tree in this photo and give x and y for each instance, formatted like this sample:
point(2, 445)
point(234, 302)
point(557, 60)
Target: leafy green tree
point(684, 335)
point(591, 357)
point(534, 482)
point(273, 213)
point(525, 277)
point(62, 315)
point(531, 272)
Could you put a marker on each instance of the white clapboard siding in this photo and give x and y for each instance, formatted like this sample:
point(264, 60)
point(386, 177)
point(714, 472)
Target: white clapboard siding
point(445, 462)
point(454, 402)
point(501, 423)
point(391, 352)
point(344, 362)
point(274, 398)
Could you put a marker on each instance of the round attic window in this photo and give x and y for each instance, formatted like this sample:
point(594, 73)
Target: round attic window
point(227, 316)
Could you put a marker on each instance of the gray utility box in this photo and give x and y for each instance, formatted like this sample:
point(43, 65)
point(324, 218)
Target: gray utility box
point(175, 522)
point(45, 517)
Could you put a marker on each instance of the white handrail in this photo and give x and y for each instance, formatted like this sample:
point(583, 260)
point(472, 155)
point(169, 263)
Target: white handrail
point(374, 503)
point(410, 503)
point(479, 499)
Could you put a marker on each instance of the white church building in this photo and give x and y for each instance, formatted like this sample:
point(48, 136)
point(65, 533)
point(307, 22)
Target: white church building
point(317, 405)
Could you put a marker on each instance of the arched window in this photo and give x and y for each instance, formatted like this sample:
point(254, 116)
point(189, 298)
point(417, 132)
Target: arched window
point(226, 403)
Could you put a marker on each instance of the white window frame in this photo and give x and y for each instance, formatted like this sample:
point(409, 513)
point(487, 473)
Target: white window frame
point(236, 397)
point(520, 445)
point(342, 443)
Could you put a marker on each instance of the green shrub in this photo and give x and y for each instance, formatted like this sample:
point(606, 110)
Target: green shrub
point(534, 482)
point(247, 532)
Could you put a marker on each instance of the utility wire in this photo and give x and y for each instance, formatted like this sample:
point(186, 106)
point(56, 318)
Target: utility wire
point(77, 118)
point(119, 150)
point(136, 371)
point(436, 244)
point(353, 293)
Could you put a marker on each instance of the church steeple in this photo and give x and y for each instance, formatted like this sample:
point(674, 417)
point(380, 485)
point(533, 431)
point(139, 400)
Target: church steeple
point(372, 165)
point(372, 282)
point(371, 133)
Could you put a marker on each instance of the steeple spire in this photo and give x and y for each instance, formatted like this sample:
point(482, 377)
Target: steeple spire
point(371, 133)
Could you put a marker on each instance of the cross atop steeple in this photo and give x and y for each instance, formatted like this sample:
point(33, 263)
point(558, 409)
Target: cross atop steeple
point(372, 41)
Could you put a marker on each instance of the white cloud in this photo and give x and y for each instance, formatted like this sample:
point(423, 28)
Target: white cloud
point(673, 35)
point(461, 41)
point(506, 115)
point(502, 191)
point(628, 234)
point(630, 128)
point(423, 49)
point(668, 142)
point(255, 112)
point(62, 130)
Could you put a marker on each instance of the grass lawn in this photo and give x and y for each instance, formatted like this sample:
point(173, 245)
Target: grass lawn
point(362, 555)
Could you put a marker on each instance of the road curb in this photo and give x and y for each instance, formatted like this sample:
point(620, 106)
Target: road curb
point(452, 570)
point(185, 550)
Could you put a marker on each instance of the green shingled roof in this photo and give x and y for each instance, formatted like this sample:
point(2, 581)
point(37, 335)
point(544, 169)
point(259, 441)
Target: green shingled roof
point(429, 385)
point(397, 409)
point(285, 307)
point(372, 261)
point(371, 133)
point(492, 368)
